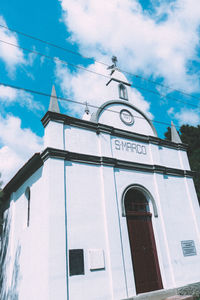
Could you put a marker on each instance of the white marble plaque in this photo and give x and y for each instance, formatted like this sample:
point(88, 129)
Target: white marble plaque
point(96, 259)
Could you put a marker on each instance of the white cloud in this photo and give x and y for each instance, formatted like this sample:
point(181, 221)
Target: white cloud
point(162, 43)
point(7, 94)
point(170, 111)
point(188, 116)
point(84, 86)
point(12, 56)
point(18, 145)
point(10, 96)
point(185, 116)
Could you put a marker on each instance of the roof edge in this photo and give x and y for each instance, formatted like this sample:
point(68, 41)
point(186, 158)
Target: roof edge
point(32, 165)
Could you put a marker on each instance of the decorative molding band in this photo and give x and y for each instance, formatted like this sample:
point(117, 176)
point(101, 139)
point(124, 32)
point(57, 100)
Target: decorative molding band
point(116, 163)
point(101, 128)
point(37, 161)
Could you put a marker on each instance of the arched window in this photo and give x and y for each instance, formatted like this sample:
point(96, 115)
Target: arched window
point(136, 202)
point(123, 92)
point(131, 193)
point(28, 197)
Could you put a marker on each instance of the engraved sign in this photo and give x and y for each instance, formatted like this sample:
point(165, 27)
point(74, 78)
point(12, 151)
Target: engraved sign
point(188, 248)
point(130, 150)
point(126, 117)
point(130, 147)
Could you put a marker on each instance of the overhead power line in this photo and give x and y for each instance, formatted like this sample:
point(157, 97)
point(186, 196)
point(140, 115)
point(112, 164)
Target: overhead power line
point(73, 101)
point(55, 59)
point(165, 96)
point(100, 62)
point(49, 43)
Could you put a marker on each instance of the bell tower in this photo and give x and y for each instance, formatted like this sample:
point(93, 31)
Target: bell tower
point(118, 82)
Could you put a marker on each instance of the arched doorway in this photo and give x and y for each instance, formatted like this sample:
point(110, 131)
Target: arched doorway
point(142, 242)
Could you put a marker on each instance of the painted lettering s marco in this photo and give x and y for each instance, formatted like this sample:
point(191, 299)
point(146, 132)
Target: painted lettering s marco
point(124, 145)
point(130, 147)
point(139, 149)
point(117, 144)
point(144, 150)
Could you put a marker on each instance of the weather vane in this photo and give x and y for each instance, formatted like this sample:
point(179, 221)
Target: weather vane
point(114, 66)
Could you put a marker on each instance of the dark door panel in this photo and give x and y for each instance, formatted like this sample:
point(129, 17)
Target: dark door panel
point(143, 248)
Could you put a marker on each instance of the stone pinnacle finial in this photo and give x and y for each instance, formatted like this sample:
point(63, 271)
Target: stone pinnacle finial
point(53, 105)
point(174, 134)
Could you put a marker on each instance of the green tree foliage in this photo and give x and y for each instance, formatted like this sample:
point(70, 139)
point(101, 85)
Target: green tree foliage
point(1, 205)
point(190, 135)
point(1, 182)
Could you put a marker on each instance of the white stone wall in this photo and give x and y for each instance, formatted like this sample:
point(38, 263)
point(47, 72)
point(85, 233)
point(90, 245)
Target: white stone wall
point(86, 225)
point(88, 142)
point(41, 246)
point(28, 245)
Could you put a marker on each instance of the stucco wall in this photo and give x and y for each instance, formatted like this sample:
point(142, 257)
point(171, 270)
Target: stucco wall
point(41, 263)
point(78, 205)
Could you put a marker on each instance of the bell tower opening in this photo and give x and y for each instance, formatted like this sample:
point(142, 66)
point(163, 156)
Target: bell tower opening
point(123, 92)
point(142, 242)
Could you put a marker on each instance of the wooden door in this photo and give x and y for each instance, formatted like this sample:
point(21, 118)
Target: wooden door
point(143, 248)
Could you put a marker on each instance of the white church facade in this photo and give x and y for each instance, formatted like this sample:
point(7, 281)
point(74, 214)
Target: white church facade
point(107, 210)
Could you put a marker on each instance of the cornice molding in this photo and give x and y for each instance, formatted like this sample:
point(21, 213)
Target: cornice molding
point(113, 162)
point(37, 161)
point(102, 128)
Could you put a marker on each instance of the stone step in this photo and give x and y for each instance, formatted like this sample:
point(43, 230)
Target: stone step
point(155, 295)
point(169, 294)
point(178, 297)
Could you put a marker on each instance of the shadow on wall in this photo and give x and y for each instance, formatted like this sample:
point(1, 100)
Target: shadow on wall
point(8, 291)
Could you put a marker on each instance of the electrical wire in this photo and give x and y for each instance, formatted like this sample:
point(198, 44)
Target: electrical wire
point(100, 62)
point(50, 44)
point(165, 96)
point(75, 102)
point(93, 72)
point(54, 59)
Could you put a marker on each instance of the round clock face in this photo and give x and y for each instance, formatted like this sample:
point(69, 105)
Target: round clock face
point(126, 117)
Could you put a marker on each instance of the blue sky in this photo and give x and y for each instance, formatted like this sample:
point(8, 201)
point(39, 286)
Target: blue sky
point(158, 40)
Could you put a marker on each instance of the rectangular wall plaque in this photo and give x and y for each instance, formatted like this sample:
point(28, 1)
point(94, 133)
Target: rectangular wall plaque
point(96, 259)
point(188, 248)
